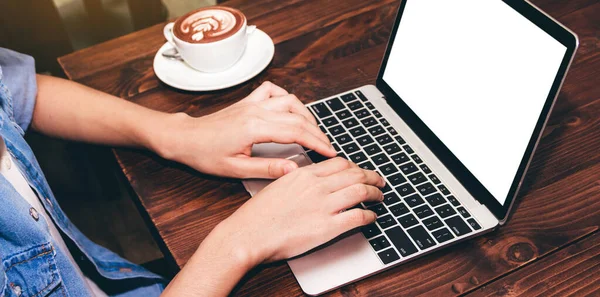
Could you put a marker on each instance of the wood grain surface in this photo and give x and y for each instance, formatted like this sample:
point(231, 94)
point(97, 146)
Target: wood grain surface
point(326, 47)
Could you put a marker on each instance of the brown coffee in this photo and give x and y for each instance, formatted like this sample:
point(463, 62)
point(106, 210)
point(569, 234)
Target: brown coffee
point(209, 24)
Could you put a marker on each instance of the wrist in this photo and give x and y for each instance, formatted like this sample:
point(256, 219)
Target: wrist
point(231, 241)
point(161, 136)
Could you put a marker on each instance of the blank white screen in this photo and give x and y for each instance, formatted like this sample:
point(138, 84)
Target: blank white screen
point(477, 73)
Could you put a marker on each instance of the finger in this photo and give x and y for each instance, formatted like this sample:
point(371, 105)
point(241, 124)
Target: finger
point(269, 168)
point(331, 166)
point(289, 103)
point(353, 195)
point(349, 177)
point(353, 218)
point(282, 133)
point(265, 91)
point(294, 120)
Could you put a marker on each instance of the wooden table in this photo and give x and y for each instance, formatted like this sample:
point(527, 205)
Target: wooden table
point(550, 246)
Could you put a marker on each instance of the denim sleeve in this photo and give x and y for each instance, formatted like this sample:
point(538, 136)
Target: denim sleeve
point(18, 74)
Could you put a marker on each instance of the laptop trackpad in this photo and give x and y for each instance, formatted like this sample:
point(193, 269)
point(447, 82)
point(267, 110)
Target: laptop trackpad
point(292, 152)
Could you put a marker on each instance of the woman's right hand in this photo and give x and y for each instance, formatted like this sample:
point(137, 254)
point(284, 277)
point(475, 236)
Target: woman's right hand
point(304, 209)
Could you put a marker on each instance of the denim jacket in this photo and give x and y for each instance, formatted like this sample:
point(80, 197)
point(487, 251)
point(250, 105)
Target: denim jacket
point(30, 263)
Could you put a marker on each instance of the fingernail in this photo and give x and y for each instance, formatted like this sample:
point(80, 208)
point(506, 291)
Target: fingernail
point(381, 197)
point(289, 168)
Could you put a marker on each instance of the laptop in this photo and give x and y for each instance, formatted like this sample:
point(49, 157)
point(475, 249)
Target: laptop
point(462, 96)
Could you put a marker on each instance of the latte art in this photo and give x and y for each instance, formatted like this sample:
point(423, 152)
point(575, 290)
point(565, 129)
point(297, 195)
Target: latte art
point(209, 24)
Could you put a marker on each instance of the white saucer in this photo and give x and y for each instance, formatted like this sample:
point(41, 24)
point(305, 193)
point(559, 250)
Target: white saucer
point(258, 54)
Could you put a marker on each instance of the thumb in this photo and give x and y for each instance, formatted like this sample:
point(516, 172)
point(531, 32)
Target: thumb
point(270, 168)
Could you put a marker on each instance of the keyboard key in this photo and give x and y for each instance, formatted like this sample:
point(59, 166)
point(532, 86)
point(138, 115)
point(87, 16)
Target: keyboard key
point(400, 158)
point(330, 121)
point(380, 159)
point(445, 211)
point(405, 189)
point(342, 155)
point(433, 223)
point(358, 157)
point(388, 169)
point(336, 147)
point(377, 114)
point(408, 221)
point(392, 149)
point(398, 209)
point(417, 178)
point(361, 96)
point(434, 179)
point(363, 113)
point(320, 110)
point(335, 104)
point(379, 243)
point(421, 237)
point(408, 149)
point(458, 226)
point(316, 157)
point(396, 179)
point(388, 256)
point(384, 139)
point(343, 139)
point(417, 159)
point(400, 140)
point(425, 168)
point(329, 137)
point(370, 230)
point(355, 105)
point(372, 149)
point(463, 212)
point(343, 114)
point(322, 129)
point(368, 122)
point(423, 211)
point(376, 130)
point(364, 140)
point(390, 198)
point(435, 199)
point(369, 105)
point(386, 221)
point(357, 131)
point(384, 122)
point(473, 224)
point(444, 190)
point(414, 200)
point(349, 123)
point(426, 189)
point(379, 209)
point(453, 200)
point(392, 131)
point(386, 188)
point(336, 130)
point(348, 97)
point(350, 148)
point(442, 235)
point(401, 241)
point(408, 168)
point(367, 166)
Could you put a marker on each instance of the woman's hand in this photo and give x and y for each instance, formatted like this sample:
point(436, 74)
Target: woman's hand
point(294, 214)
point(221, 143)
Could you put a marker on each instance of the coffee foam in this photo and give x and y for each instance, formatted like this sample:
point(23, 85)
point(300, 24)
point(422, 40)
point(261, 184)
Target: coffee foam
point(209, 24)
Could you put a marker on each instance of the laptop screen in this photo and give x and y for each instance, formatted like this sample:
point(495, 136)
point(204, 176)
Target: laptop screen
point(477, 73)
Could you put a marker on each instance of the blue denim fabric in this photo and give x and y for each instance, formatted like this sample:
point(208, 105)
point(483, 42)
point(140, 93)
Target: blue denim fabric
point(30, 265)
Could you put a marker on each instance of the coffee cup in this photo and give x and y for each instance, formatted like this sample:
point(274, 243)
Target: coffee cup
point(210, 39)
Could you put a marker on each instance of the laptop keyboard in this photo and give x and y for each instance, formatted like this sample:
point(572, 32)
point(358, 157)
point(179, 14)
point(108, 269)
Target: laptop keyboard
point(418, 212)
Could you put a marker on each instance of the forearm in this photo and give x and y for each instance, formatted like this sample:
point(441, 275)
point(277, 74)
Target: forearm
point(68, 110)
point(215, 268)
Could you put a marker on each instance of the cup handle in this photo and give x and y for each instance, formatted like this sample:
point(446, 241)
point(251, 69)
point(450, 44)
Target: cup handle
point(168, 32)
point(251, 29)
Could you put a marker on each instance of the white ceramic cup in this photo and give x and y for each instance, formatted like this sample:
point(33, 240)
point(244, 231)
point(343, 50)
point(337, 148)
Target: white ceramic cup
point(212, 56)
